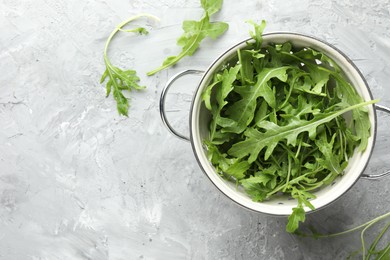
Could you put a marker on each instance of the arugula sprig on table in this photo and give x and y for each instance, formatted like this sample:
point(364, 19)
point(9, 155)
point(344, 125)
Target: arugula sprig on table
point(373, 251)
point(118, 79)
point(277, 122)
point(195, 32)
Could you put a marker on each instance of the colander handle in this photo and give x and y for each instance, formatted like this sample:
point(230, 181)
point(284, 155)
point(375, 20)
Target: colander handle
point(162, 102)
point(378, 176)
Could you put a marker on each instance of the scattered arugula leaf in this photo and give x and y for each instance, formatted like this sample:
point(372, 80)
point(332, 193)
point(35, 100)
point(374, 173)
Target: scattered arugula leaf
point(277, 122)
point(211, 6)
point(373, 251)
point(118, 79)
point(298, 215)
point(195, 32)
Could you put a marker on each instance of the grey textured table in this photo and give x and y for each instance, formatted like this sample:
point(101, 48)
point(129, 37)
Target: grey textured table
point(77, 181)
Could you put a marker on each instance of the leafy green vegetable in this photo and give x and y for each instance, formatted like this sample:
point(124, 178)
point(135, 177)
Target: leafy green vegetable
point(257, 140)
point(118, 79)
point(379, 254)
point(211, 6)
point(298, 215)
point(278, 122)
point(195, 32)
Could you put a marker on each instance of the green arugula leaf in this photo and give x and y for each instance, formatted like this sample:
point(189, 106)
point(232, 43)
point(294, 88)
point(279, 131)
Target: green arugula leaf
point(297, 215)
point(238, 169)
point(303, 197)
point(303, 108)
point(227, 79)
point(260, 179)
point(195, 32)
point(211, 6)
point(245, 58)
point(257, 140)
point(242, 111)
point(360, 117)
point(331, 160)
point(119, 79)
point(257, 34)
point(255, 188)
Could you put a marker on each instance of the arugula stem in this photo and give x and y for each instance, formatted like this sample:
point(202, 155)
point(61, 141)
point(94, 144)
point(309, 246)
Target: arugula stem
point(182, 54)
point(288, 173)
point(375, 220)
point(316, 186)
point(309, 153)
point(298, 149)
point(362, 239)
point(281, 186)
point(384, 253)
point(377, 239)
point(119, 28)
point(164, 66)
point(291, 88)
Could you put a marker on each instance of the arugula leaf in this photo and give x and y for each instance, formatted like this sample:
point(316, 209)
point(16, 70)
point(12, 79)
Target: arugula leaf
point(330, 162)
point(238, 169)
point(256, 187)
point(360, 117)
point(195, 32)
point(118, 79)
point(242, 111)
point(298, 215)
point(211, 6)
point(257, 140)
point(257, 33)
point(227, 79)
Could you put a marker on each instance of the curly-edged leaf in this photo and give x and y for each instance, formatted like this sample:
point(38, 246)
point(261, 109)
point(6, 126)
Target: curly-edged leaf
point(238, 169)
point(304, 106)
point(316, 57)
point(258, 179)
point(119, 80)
point(257, 34)
point(121, 101)
point(128, 79)
point(257, 191)
point(243, 110)
point(220, 138)
point(331, 160)
point(206, 95)
point(226, 86)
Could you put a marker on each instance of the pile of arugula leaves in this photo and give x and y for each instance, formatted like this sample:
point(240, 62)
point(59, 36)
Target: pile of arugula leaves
point(277, 122)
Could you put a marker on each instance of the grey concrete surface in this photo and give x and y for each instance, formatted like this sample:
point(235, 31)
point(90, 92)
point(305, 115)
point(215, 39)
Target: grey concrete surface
point(77, 181)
